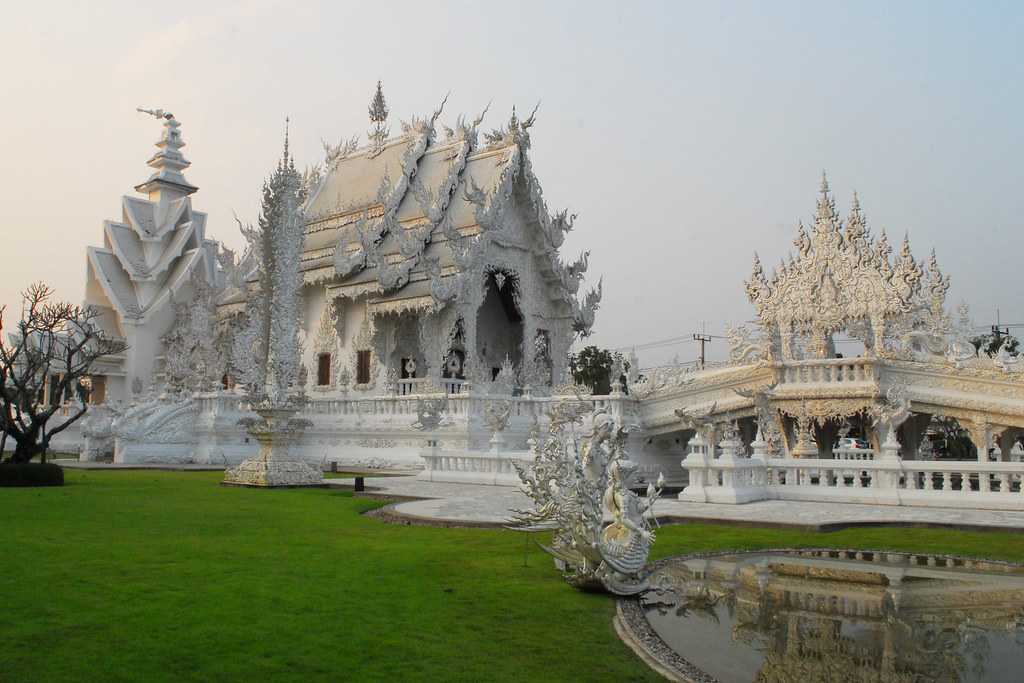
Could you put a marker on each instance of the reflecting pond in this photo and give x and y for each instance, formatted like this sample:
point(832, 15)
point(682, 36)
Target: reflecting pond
point(827, 615)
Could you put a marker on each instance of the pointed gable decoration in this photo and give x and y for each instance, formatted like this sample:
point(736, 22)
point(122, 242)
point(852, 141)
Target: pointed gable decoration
point(841, 277)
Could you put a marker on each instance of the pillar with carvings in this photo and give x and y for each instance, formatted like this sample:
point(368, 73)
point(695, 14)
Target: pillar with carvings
point(981, 435)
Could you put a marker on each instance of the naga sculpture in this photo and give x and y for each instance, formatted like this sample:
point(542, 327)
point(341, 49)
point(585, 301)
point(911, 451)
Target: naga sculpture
point(575, 483)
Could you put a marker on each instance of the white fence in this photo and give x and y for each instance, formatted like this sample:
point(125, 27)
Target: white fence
point(887, 481)
point(472, 468)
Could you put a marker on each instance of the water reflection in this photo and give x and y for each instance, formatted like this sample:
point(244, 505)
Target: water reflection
point(841, 616)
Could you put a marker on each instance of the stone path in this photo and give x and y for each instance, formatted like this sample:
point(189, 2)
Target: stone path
point(490, 505)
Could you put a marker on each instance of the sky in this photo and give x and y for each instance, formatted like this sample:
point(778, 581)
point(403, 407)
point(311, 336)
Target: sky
point(686, 136)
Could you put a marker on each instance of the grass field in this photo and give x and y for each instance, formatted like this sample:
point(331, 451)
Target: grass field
point(166, 576)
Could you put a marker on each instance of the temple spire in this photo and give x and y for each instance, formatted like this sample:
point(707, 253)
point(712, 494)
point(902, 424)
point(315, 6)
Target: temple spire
point(378, 111)
point(856, 227)
point(286, 121)
point(826, 219)
point(168, 163)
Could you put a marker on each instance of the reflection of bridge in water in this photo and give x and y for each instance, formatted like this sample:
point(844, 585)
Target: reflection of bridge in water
point(842, 615)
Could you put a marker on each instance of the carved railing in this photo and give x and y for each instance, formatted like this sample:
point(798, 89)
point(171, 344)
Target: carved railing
point(888, 480)
point(828, 371)
point(455, 386)
point(421, 386)
point(461, 404)
point(477, 468)
point(409, 387)
point(853, 454)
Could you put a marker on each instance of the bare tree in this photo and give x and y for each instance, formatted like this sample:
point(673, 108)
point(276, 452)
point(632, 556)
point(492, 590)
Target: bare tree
point(53, 342)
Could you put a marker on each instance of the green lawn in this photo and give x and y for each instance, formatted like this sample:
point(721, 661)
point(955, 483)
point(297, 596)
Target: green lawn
point(141, 575)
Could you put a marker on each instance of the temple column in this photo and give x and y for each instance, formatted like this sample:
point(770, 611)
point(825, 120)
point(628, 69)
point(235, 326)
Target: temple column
point(912, 432)
point(430, 347)
point(826, 433)
point(980, 433)
point(1006, 441)
point(560, 345)
point(748, 428)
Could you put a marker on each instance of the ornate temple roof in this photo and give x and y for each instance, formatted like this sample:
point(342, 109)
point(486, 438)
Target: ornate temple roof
point(419, 207)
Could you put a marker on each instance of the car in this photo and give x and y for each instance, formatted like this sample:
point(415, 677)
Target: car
point(854, 444)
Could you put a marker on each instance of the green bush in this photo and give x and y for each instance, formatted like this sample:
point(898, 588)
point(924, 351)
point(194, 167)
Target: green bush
point(31, 474)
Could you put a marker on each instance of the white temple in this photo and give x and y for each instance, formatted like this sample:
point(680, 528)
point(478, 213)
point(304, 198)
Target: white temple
point(437, 313)
point(431, 259)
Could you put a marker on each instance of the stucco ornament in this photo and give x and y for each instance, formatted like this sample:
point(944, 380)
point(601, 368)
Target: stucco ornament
point(744, 346)
point(702, 419)
point(276, 348)
point(574, 481)
point(497, 414)
point(769, 423)
point(97, 432)
point(505, 383)
point(894, 410)
point(194, 356)
point(431, 413)
point(841, 279)
point(1006, 361)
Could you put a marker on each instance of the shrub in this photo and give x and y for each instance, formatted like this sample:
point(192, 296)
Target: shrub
point(31, 474)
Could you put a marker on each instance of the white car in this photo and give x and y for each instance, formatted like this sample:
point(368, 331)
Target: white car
point(854, 444)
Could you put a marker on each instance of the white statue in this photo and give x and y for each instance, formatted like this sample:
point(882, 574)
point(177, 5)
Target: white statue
point(1006, 361)
point(573, 483)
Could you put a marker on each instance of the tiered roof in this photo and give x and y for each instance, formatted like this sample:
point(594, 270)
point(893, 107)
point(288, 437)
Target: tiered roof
point(402, 219)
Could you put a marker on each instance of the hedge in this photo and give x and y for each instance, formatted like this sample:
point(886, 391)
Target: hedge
point(31, 474)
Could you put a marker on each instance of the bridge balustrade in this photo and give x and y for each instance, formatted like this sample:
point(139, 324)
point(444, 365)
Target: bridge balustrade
point(886, 480)
point(828, 371)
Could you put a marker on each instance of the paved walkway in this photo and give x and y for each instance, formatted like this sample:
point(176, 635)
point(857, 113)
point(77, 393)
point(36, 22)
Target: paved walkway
point(475, 505)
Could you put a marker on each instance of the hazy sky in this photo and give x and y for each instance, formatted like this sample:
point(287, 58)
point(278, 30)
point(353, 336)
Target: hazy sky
point(686, 136)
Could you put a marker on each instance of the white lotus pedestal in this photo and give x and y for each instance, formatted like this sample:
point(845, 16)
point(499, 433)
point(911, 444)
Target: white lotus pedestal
point(273, 467)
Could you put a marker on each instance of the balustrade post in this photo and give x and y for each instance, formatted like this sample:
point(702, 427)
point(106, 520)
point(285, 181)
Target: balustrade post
point(696, 465)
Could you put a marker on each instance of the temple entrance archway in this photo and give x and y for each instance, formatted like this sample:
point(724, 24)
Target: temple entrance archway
point(499, 324)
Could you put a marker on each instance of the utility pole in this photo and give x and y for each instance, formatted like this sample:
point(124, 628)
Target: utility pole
point(703, 338)
point(998, 331)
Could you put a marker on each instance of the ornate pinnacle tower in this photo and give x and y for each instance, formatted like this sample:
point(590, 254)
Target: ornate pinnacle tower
point(168, 163)
point(378, 117)
point(273, 357)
